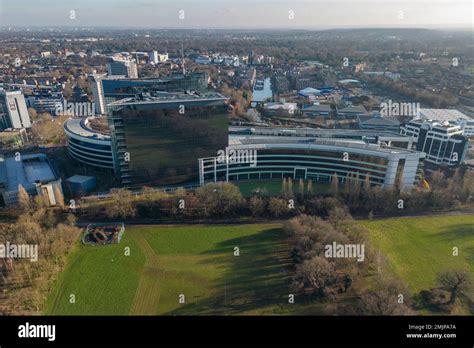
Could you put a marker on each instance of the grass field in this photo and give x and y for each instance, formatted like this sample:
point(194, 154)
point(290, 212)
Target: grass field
point(198, 261)
point(418, 248)
point(273, 187)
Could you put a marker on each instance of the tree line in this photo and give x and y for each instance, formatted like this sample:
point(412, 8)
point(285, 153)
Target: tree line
point(224, 200)
point(24, 285)
point(360, 286)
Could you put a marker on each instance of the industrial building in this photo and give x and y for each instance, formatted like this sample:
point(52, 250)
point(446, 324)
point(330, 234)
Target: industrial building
point(33, 172)
point(379, 123)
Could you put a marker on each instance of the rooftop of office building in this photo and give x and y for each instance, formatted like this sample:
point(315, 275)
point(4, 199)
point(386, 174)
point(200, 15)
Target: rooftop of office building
point(165, 97)
point(442, 115)
point(83, 127)
point(10, 92)
point(25, 171)
point(308, 143)
point(432, 124)
point(312, 132)
point(149, 79)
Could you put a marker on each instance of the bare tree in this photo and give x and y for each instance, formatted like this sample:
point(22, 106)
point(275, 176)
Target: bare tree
point(310, 187)
point(391, 298)
point(437, 180)
point(284, 187)
point(382, 302)
point(277, 207)
point(220, 199)
point(301, 188)
point(456, 281)
point(24, 199)
point(256, 206)
point(121, 205)
point(335, 185)
point(314, 276)
point(337, 216)
point(58, 195)
point(290, 186)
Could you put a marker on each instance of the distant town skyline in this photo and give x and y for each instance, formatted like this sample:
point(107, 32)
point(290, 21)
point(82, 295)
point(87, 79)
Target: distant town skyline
point(239, 14)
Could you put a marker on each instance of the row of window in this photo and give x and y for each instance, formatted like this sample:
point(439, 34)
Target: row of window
point(90, 145)
point(320, 170)
point(303, 161)
point(91, 159)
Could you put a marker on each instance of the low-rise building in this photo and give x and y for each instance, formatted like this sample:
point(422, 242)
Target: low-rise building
point(32, 172)
point(317, 111)
point(280, 108)
point(80, 184)
point(352, 111)
point(444, 144)
point(378, 122)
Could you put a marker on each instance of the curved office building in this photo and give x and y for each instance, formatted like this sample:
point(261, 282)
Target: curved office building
point(88, 145)
point(318, 160)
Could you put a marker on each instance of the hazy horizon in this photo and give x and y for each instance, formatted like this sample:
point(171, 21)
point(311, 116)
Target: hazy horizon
point(243, 14)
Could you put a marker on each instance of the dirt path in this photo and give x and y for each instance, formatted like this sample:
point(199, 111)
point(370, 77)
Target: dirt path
point(147, 296)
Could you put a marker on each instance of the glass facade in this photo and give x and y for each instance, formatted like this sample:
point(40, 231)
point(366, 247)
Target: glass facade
point(116, 89)
point(313, 164)
point(156, 144)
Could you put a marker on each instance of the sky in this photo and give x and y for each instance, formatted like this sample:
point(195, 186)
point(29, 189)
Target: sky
point(245, 14)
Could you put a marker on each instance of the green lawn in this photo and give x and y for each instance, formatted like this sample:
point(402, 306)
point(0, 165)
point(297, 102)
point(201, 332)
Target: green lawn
point(166, 261)
point(274, 187)
point(418, 248)
point(198, 261)
point(101, 278)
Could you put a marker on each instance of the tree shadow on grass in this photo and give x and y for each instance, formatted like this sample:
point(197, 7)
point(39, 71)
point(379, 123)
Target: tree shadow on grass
point(456, 236)
point(460, 233)
point(456, 232)
point(255, 279)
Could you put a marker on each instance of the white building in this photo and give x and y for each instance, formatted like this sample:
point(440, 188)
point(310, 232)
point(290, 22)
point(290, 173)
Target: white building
point(156, 57)
point(13, 110)
point(467, 127)
point(449, 116)
point(203, 60)
point(444, 144)
point(232, 61)
point(280, 108)
point(95, 82)
point(321, 160)
point(122, 67)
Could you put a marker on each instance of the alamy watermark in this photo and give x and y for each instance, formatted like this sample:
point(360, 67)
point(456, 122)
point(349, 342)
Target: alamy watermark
point(84, 109)
point(350, 251)
point(237, 156)
point(392, 108)
point(19, 251)
point(28, 330)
